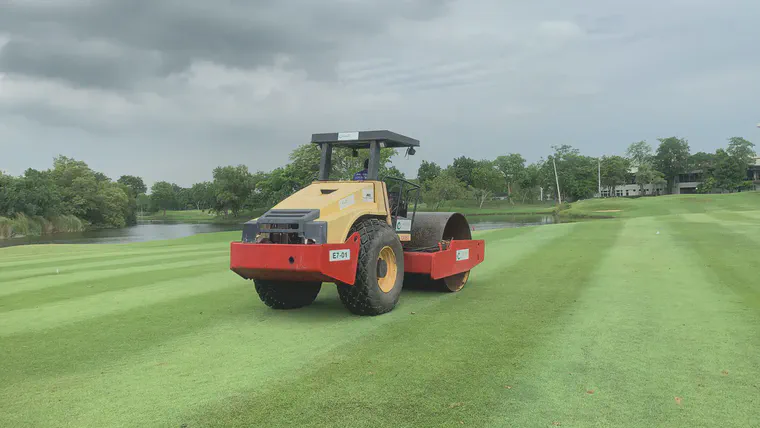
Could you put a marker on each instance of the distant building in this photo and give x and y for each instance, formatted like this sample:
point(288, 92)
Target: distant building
point(686, 184)
point(631, 189)
point(753, 174)
point(683, 185)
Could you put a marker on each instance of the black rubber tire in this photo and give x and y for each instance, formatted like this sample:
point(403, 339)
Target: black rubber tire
point(287, 294)
point(365, 297)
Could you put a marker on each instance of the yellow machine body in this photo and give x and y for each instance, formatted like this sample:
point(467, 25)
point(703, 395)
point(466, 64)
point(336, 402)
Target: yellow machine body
point(340, 204)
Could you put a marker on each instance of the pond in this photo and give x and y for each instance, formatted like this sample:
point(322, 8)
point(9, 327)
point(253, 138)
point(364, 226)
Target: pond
point(139, 233)
point(160, 231)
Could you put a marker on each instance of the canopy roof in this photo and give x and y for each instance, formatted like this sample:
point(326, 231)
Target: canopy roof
point(362, 140)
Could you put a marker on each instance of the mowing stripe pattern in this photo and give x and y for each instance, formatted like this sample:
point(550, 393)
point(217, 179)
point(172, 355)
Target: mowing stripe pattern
point(648, 321)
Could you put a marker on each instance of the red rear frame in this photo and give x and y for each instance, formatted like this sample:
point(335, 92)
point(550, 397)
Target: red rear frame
point(460, 256)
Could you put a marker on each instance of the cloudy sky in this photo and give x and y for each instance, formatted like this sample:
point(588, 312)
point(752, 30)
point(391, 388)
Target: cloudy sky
point(169, 89)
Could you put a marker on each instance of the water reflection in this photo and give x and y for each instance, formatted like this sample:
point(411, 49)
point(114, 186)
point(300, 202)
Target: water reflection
point(161, 231)
point(490, 222)
point(139, 233)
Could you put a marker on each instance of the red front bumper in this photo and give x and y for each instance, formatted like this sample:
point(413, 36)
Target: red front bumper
point(337, 262)
point(325, 263)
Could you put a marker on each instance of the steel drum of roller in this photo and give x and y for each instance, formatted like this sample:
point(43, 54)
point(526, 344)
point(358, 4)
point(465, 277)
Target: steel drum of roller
point(428, 231)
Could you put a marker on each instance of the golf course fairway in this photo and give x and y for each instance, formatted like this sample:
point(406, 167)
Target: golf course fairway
point(640, 321)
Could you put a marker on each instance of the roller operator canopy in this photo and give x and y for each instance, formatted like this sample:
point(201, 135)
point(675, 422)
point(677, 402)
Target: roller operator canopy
point(372, 140)
point(364, 139)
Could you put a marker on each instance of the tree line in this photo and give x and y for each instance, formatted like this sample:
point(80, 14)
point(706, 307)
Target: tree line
point(235, 189)
point(580, 176)
point(71, 196)
point(68, 197)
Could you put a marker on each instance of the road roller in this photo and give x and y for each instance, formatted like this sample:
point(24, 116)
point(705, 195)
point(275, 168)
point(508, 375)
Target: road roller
point(364, 235)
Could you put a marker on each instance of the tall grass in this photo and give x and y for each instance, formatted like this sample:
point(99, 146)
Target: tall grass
point(22, 225)
point(68, 223)
point(46, 226)
point(6, 228)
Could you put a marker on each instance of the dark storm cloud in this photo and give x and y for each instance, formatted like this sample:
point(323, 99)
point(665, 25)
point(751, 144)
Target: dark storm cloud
point(150, 38)
point(228, 82)
point(104, 67)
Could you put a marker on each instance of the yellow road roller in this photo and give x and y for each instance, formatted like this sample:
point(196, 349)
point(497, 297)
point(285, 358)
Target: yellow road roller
point(364, 235)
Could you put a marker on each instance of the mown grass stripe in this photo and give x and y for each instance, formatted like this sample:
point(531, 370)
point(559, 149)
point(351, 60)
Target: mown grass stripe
point(428, 373)
point(729, 264)
point(100, 343)
point(82, 255)
point(643, 333)
point(752, 214)
point(35, 298)
point(110, 263)
point(66, 279)
point(33, 252)
point(732, 217)
point(70, 311)
point(233, 353)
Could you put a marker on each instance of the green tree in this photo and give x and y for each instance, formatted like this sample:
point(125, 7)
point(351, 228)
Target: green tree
point(113, 205)
point(639, 154)
point(741, 150)
point(78, 187)
point(184, 198)
point(646, 175)
point(162, 196)
point(444, 188)
point(462, 169)
point(7, 184)
point(707, 186)
point(135, 184)
point(512, 167)
point(304, 163)
point(143, 202)
point(529, 183)
point(577, 173)
point(33, 194)
point(427, 172)
point(202, 195)
point(672, 159)
point(233, 188)
point(614, 171)
point(275, 186)
point(730, 171)
point(486, 181)
point(702, 161)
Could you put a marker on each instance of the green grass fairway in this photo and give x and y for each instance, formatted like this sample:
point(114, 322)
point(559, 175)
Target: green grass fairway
point(635, 322)
point(471, 207)
point(663, 205)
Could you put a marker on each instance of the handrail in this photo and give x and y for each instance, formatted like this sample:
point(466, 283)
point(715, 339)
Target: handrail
point(405, 196)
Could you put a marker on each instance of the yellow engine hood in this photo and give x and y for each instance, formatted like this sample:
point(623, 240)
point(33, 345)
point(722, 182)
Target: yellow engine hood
point(340, 203)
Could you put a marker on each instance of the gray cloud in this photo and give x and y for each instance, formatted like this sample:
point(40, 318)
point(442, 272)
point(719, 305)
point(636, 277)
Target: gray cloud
point(171, 89)
point(170, 35)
